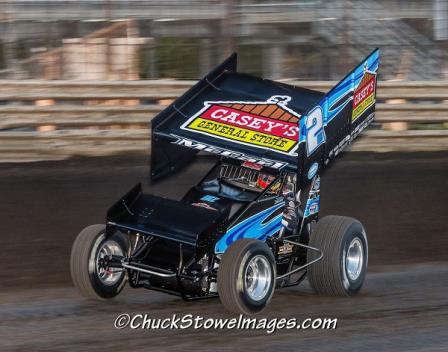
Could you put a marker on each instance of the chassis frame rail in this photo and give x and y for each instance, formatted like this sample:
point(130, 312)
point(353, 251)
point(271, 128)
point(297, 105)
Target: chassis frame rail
point(302, 267)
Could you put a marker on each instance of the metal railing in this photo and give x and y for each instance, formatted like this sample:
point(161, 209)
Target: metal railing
point(42, 120)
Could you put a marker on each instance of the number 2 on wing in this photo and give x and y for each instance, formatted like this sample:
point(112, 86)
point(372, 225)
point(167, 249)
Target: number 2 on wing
point(315, 134)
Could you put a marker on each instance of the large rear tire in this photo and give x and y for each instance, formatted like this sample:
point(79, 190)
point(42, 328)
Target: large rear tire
point(342, 270)
point(246, 276)
point(90, 274)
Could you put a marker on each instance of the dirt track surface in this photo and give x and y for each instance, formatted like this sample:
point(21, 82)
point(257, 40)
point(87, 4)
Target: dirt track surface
point(400, 198)
point(405, 309)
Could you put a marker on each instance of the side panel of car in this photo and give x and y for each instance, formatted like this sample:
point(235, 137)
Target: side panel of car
point(260, 220)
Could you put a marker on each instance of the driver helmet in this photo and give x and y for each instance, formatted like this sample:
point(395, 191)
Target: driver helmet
point(264, 180)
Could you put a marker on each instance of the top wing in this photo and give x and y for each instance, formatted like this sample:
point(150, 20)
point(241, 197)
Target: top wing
point(273, 124)
point(234, 115)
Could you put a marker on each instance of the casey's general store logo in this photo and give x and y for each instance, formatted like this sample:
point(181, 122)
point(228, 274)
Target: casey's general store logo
point(364, 95)
point(269, 124)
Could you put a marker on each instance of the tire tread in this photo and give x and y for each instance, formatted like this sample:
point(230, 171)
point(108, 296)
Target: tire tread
point(228, 272)
point(324, 276)
point(79, 260)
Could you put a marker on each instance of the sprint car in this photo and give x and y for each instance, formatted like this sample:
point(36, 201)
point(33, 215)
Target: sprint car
point(251, 225)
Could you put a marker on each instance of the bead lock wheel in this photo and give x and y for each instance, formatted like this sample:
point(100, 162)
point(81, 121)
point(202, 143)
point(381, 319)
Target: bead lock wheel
point(354, 259)
point(107, 275)
point(258, 278)
point(93, 253)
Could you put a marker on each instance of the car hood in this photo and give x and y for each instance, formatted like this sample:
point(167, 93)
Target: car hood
point(161, 217)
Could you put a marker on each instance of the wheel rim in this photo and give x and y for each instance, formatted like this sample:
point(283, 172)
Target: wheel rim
point(108, 276)
point(258, 278)
point(354, 259)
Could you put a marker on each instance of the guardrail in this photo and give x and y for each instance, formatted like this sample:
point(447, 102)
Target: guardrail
point(153, 89)
point(55, 119)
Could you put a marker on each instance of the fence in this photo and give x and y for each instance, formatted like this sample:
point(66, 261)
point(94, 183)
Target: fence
point(42, 120)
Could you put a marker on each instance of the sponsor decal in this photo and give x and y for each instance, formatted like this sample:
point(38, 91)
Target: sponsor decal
point(349, 138)
point(364, 94)
point(254, 166)
point(316, 185)
point(189, 143)
point(312, 206)
point(269, 124)
point(209, 198)
point(313, 202)
point(203, 205)
point(145, 213)
point(312, 170)
point(285, 249)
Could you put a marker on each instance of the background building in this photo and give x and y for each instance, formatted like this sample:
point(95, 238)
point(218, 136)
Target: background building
point(138, 39)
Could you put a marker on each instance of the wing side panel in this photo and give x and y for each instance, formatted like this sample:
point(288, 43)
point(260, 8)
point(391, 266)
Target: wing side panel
point(340, 116)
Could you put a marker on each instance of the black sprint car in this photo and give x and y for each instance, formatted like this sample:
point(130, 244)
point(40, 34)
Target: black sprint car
point(251, 224)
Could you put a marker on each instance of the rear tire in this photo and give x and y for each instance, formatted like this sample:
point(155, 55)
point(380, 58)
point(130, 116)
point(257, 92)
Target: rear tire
point(246, 276)
point(342, 270)
point(90, 277)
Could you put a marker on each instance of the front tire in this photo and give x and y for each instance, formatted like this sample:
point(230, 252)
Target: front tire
point(90, 274)
point(246, 276)
point(342, 270)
